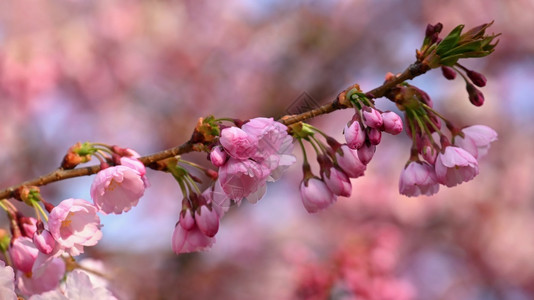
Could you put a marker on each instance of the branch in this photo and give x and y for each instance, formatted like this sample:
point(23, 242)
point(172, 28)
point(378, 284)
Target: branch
point(411, 72)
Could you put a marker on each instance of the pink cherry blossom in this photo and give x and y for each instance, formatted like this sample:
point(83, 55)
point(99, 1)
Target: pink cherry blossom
point(354, 135)
point(315, 195)
point(238, 143)
point(338, 182)
point(374, 136)
point(44, 241)
point(349, 162)
point(477, 139)
point(29, 226)
point(78, 286)
point(218, 199)
point(274, 146)
point(23, 254)
point(372, 117)
point(7, 282)
point(46, 280)
point(418, 178)
point(392, 122)
point(74, 224)
point(240, 178)
point(117, 189)
point(186, 241)
point(218, 156)
point(454, 166)
point(207, 220)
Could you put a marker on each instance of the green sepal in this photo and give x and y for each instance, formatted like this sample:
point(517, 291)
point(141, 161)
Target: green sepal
point(450, 40)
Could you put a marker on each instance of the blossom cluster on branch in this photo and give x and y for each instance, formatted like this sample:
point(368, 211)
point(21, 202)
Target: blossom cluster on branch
point(245, 155)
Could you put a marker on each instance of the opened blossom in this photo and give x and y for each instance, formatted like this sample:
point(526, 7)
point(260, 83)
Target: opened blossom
point(238, 143)
point(23, 254)
point(117, 189)
point(75, 224)
point(418, 178)
point(454, 166)
point(240, 178)
point(7, 282)
point(186, 241)
point(476, 140)
point(45, 280)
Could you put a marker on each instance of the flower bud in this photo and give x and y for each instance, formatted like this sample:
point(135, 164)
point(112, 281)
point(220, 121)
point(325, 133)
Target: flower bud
point(477, 78)
point(218, 156)
point(448, 72)
point(315, 195)
point(44, 241)
point(186, 219)
point(371, 117)
point(207, 221)
point(354, 135)
point(475, 96)
point(374, 135)
point(348, 161)
point(338, 182)
point(366, 153)
point(392, 123)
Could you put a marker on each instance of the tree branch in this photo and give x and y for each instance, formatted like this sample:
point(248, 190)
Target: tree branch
point(411, 72)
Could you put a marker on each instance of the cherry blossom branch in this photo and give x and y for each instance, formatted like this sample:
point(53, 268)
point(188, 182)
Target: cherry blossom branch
point(59, 174)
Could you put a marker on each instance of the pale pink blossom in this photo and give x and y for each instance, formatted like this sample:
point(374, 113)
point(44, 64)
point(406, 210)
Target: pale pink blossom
point(372, 117)
point(186, 241)
point(45, 280)
point(315, 195)
point(476, 140)
point(218, 198)
point(218, 156)
point(238, 143)
point(240, 178)
point(418, 178)
point(354, 135)
point(349, 162)
point(7, 282)
point(75, 224)
point(274, 146)
point(392, 122)
point(366, 153)
point(78, 286)
point(44, 241)
point(454, 166)
point(338, 182)
point(207, 220)
point(23, 254)
point(133, 162)
point(117, 189)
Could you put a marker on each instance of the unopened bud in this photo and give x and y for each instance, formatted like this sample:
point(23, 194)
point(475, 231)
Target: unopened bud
point(448, 72)
point(374, 135)
point(477, 78)
point(365, 153)
point(475, 96)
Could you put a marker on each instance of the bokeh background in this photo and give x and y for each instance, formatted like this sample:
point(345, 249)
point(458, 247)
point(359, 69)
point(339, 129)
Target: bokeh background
point(139, 73)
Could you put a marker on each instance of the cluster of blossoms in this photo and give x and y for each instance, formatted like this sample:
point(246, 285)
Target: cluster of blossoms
point(247, 156)
point(39, 247)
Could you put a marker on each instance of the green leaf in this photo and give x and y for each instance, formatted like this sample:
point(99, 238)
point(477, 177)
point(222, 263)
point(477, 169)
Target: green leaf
point(450, 40)
point(469, 47)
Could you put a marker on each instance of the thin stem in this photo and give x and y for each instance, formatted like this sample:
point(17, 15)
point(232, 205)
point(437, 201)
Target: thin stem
point(303, 151)
point(192, 183)
point(39, 209)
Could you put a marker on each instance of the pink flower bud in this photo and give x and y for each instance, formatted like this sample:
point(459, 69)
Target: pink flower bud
point(186, 241)
point(218, 156)
point(365, 153)
point(238, 143)
point(29, 226)
point(354, 135)
point(448, 72)
point(371, 117)
point(348, 161)
point(392, 122)
point(418, 178)
point(44, 241)
point(23, 253)
point(315, 195)
point(454, 166)
point(186, 219)
point(374, 135)
point(338, 182)
point(207, 221)
point(477, 78)
point(477, 139)
point(475, 96)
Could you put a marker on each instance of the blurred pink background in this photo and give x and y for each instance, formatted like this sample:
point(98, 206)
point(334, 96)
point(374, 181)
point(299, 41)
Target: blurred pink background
point(139, 73)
